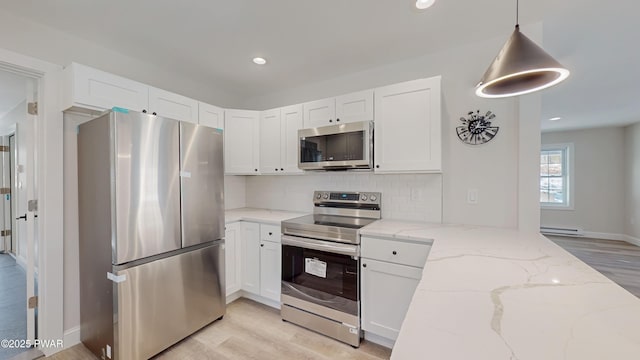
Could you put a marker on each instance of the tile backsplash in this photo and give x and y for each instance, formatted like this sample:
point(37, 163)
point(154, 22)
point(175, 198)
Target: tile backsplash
point(404, 197)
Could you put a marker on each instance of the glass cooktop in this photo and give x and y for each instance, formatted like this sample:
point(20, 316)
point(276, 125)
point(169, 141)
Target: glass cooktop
point(331, 220)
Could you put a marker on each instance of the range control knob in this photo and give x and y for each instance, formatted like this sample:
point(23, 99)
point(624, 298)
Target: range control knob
point(363, 197)
point(325, 196)
point(318, 196)
point(373, 198)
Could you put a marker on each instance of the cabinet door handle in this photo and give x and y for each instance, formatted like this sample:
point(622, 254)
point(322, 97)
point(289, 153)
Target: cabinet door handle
point(154, 113)
point(281, 169)
point(144, 111)
point(276, 169)
point(255, 169)
point(330, 120)
point(394, 252)
point(364, 265)
point(270, 233)
point(337, 120)
point(261, 245)
point(377, 166)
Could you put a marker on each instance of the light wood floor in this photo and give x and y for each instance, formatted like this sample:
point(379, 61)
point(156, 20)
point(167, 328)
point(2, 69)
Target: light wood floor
point(617, 260)
point(250, 330)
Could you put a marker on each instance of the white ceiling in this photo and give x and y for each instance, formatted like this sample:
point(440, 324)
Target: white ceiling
point(307, 41)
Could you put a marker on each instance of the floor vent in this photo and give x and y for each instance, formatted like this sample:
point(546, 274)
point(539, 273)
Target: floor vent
point(561, 231)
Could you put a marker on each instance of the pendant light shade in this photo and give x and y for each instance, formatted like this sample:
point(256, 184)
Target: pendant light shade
point(521, 67)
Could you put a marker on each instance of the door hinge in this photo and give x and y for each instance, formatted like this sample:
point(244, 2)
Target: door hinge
point(5, 233)
point(32, 108)
point(33, 302)
point(5, 148)
point(5, 191)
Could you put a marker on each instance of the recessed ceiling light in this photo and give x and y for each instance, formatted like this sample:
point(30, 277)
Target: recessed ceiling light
point(555, 118)
point(259, 61)
point(423, 4)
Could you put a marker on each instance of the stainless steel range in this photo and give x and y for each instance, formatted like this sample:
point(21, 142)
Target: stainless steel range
point(321, 262)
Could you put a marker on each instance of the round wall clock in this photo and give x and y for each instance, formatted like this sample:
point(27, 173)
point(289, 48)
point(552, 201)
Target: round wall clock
point(476, 129)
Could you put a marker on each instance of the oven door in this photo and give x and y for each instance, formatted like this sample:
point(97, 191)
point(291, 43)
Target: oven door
point(321, 272)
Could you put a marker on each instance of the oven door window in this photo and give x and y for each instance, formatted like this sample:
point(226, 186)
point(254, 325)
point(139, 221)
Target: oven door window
point(337, 147)
point(329, 279)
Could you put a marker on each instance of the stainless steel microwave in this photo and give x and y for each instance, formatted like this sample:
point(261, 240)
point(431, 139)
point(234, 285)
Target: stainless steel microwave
point(336, 147)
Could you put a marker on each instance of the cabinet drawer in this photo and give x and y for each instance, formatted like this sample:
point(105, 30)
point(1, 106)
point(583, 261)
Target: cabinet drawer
point(395, 251)
point(270, 232)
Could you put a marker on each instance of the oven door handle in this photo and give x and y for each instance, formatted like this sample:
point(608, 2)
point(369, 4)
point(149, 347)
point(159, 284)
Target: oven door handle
point(320, 245)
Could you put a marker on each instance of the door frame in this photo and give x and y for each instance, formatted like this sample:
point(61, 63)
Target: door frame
point(49, 138)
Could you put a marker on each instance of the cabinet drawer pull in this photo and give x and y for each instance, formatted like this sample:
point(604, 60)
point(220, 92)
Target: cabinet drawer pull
point(261, 245)
point(394, 252)
point(364, 265)
point(270, 233)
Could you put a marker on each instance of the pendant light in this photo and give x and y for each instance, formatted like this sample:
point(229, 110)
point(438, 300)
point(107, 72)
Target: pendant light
point(521, 67)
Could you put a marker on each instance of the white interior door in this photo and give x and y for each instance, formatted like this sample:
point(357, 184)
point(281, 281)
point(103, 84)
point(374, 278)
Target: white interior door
point(26, 190)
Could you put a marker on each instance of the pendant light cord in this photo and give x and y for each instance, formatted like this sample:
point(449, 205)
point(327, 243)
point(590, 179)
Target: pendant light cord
point(517, 13)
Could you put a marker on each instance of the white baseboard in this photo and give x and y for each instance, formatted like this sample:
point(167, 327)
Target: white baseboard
point(234, 296)
point(380, 340)
point(261, 300)
point(72, 337)
point(605, 236)
point(632, 240)
point(22, 262)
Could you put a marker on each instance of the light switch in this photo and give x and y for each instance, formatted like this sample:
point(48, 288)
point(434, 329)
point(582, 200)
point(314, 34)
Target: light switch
point(472, 196)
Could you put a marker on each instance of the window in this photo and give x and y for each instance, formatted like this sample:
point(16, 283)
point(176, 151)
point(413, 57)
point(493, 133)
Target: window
point(555, 176)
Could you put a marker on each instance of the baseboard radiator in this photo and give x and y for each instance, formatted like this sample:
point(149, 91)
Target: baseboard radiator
point(547, 230)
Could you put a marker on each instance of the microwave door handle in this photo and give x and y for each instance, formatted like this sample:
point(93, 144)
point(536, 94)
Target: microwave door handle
point(320, 245)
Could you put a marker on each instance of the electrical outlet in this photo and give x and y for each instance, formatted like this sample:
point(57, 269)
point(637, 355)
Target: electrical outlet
point(472, 196)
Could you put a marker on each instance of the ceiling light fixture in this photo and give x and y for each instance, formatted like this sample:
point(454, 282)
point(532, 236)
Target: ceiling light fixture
point(521, 67)
point(423, 4)
point(259, 61)
point(555, 118)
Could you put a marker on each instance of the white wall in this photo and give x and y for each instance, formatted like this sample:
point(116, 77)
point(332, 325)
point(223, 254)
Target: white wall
point(632, 180)
point(598, 168)
point(234, 192)
point(55, 46)
point(404, 197)
point(492, 169)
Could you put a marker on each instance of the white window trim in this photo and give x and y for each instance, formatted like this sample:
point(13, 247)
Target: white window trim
point(569, 165)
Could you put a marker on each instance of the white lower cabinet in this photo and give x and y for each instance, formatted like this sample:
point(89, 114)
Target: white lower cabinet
point(270, 264)
point(250, 257)
point(233, 258)
point(387, 285)
point(259, 262)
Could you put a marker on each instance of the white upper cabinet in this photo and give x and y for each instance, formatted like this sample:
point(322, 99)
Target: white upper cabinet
point(407, 132)
point(174, 106)
point(87, 89)
point(241, 142)
point(354, 107)
point(211, 116)
point(291, 122)
point(270, 141)
point(279, 140)
point(319, 113)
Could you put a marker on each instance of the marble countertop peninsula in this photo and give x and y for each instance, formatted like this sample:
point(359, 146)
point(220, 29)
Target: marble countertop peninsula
point(490, 293)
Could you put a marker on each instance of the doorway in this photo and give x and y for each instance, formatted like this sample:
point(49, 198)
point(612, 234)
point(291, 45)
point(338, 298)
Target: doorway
point(18, 250)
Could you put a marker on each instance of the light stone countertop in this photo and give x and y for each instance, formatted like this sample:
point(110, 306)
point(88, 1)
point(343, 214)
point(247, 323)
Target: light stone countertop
point(264, 216)
point(489, 293)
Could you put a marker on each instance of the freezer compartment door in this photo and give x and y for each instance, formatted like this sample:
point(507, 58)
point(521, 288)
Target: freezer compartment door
point(164, 301)
point(202, 182)
point(147, 186)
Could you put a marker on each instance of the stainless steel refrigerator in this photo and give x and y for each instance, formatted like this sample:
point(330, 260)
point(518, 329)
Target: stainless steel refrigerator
point(151, 216)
